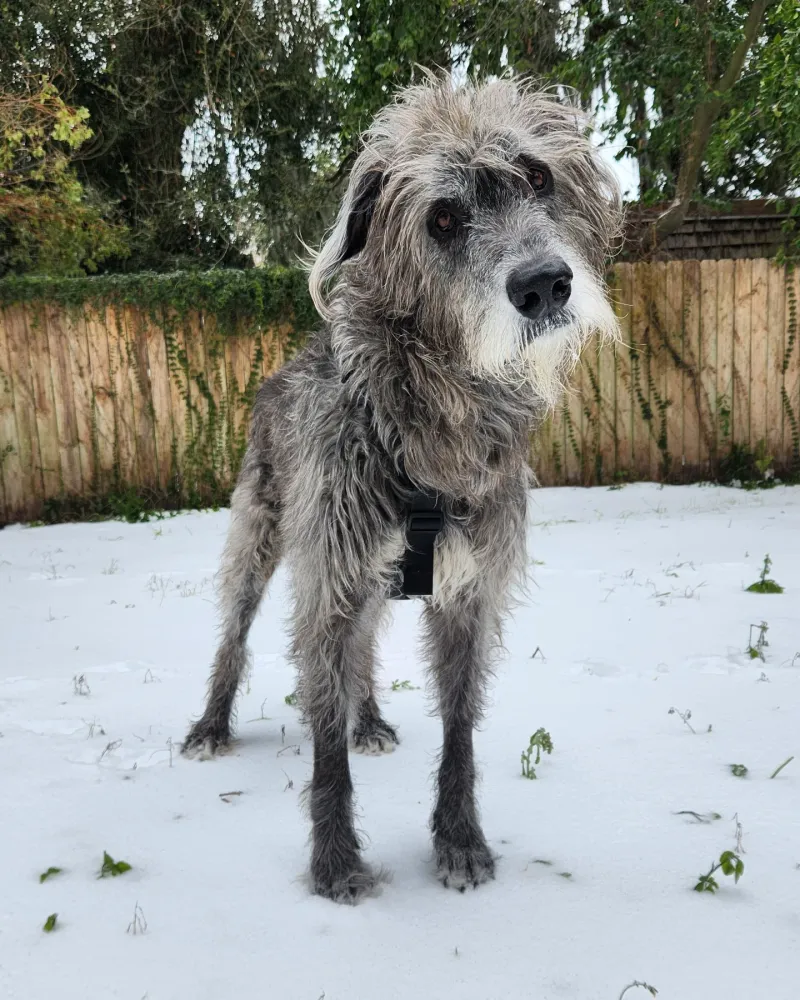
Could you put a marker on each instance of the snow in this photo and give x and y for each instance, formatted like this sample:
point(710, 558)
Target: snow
point(637, 605)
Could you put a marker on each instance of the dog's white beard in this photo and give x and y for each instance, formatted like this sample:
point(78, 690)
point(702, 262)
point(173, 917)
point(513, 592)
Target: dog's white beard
point(496, 344)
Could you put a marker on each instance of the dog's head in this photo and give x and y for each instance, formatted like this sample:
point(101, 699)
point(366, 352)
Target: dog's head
point(483, 215)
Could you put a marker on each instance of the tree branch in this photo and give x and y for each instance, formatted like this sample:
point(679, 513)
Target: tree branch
point(706, 113)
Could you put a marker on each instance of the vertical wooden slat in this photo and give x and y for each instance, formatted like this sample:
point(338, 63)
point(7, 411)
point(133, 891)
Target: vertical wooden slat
point(141, 397)
point(216, 376)
point(759, 360)
point(708, 360)
point(11, 495)
point(156, 349)
point(743, 271)
point(776, 302)
point(607, 383)
point(640, 369)
point(791, 379)
point(80, 375)
point(573, 418)
point(102, 388)
point(239, 356)
point(659, 361)
point(625, 403)
point(44, 403)
point(695, 453)
point(123, 402)
point(674, 376)
point(196, 364)
point(59, 331)
point(726, 291)
point(31, 485)
point(179, 393)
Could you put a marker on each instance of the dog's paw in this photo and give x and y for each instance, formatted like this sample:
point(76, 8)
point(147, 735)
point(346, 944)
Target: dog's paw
point(458, 867)
point(347, 884)
point(206, 740)
point(374, 738)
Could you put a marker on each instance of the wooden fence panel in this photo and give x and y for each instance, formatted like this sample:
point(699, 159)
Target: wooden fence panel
point(96, 401)
point(707, 366)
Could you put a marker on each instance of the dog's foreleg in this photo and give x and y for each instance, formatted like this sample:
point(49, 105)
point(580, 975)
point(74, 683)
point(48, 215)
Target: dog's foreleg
point(252, 552)
point(371, 733)
point(325, 647)
point(457, 643)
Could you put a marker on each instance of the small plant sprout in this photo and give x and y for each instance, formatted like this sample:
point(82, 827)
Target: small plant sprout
point(541, 741)
point(642, 986)
point(780, 767)
point(79, 685)
point(738, 770)
point(111, 868)
point(138, 924)
point(729, 863)
point(684, 717)
point(49, 874)
point(111, 569)
point(755, 650)
point(50, 923)
point(403, 686)
point(764, 585)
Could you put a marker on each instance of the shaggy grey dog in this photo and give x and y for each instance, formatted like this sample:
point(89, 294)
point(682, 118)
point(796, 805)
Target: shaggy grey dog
point(457, 286)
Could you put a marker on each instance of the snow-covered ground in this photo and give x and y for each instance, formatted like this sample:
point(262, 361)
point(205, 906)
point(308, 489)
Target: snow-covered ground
point(638, 606)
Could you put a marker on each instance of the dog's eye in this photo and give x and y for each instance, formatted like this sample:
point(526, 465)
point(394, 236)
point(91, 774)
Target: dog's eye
point(540, 179)
point(444, 221)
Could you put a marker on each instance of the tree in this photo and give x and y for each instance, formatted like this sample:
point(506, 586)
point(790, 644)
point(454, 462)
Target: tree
point(204, 113)
point(47, 221)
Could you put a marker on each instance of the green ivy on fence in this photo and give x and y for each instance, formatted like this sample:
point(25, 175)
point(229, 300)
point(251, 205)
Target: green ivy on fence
point(265, 296)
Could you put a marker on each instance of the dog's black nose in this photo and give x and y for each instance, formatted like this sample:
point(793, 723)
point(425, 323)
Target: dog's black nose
point(539, 289)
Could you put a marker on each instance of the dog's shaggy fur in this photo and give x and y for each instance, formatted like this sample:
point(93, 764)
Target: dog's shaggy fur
point(424, 375)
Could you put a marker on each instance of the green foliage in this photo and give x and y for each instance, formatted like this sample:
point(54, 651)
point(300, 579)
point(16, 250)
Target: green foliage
point(745, 468)
point(729, 863)
point(403, 686)
point(50, 923)
point(208, 116)
point(266, 296)
point(764, 585)
point(291, 699)
point(111, 868)
point(48, 222)
point(49, 874)
point(738, 770)
point(541, 742)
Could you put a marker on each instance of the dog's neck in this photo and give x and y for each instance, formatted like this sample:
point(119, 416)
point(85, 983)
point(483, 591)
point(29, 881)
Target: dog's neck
point(453, 432)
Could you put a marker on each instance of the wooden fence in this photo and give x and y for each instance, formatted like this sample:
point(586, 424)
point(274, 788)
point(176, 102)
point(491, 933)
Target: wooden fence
point(95, 402)
point(101, 402)
point(708, 370)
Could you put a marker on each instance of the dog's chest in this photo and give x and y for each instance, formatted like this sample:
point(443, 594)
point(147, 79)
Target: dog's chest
point(455, 568)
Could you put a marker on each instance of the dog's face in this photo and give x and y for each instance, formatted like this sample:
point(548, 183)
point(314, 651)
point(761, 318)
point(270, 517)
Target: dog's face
point(486, 216)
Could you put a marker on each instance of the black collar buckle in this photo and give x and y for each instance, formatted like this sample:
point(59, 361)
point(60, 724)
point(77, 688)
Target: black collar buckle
point(424, 521)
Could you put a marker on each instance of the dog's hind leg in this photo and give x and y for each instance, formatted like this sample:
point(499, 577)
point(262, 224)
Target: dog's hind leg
point(252, 552)
point(457, 639)
point(371, 733)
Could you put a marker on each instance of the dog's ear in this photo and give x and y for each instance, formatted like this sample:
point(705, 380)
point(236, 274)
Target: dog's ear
point(349, 235)
point(362, 207)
